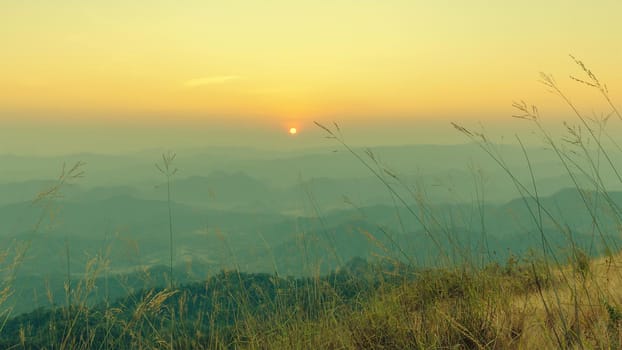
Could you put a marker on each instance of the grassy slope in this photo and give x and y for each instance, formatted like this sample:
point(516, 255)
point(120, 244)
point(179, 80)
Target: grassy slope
point(499, 307)
point(576, 307)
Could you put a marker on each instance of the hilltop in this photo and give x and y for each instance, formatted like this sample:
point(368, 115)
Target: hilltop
point(362, 306)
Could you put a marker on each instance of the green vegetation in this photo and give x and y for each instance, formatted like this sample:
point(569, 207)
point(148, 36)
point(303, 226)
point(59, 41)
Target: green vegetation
point(235, 309)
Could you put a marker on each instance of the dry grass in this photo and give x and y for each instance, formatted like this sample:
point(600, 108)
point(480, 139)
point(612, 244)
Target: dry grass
point(485, 310)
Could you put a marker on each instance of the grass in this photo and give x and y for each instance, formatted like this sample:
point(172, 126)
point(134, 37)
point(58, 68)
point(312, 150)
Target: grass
point(497, 307)
point(541, 301)
point(167, 170)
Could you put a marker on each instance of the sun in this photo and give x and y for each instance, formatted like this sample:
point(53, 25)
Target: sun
point(293, 131)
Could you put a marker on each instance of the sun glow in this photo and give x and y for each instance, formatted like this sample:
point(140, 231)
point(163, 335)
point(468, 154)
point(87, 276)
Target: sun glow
point(293, 131)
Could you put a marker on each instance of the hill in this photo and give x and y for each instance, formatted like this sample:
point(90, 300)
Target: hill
point(362, 306)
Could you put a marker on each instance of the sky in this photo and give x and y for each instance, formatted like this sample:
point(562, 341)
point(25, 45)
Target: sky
point(257, 68)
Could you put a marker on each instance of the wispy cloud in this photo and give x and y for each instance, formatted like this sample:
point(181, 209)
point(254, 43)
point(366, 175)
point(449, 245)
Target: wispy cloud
point(213, 80)
point(33, 82)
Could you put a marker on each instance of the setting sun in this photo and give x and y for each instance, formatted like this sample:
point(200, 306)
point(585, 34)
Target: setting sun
point(293, 131)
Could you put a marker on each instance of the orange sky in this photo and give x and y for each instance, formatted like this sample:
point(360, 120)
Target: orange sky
point(284, 62)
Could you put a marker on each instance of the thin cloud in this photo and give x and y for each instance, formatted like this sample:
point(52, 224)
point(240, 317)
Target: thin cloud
point(214, 80)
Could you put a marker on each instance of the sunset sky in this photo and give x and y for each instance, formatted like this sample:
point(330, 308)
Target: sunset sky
point(281, 63)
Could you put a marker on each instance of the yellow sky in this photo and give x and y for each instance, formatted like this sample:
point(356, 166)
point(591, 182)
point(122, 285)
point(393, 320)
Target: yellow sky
point(285, 60)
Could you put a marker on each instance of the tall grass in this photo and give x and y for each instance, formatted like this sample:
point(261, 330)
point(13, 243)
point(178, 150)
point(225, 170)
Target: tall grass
point(582, 151)
point(167, 169)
